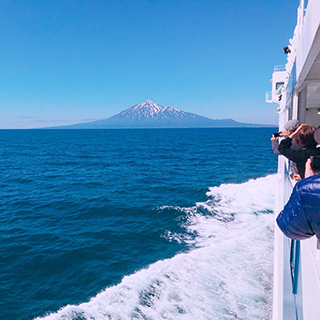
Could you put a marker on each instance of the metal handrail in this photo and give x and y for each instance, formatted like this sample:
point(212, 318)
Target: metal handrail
point(279, 68)
point(268, 96)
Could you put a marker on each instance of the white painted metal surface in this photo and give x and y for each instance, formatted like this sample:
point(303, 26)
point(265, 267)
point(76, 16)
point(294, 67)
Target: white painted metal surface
point(300, 99)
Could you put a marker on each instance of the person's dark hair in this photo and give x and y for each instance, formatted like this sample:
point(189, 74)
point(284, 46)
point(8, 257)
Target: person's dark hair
point(305, 137)
point(315, 163)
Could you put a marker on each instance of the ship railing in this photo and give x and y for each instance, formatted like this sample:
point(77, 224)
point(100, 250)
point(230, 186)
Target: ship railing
point(295, 244)
point(279, 68)
point(269, 97)
point(273, 96)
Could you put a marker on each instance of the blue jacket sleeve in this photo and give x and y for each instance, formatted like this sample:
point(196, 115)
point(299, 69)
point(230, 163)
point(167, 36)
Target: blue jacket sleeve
point(292, 220)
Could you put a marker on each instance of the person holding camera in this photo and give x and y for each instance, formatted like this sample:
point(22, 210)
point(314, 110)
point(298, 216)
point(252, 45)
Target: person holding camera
point(300, 217)
point(304, 136)
point(289, 128)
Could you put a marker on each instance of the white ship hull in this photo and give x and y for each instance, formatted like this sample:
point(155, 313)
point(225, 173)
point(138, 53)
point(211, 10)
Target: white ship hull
point(296, 90)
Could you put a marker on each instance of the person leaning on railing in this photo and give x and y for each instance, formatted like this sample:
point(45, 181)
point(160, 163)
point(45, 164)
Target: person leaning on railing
point(304, 136)
point(300, 217)
point(289, 128)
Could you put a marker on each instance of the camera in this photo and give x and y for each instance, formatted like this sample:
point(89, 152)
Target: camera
point(276, 134)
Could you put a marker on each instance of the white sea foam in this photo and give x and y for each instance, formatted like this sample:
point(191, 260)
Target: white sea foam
point(228, 274)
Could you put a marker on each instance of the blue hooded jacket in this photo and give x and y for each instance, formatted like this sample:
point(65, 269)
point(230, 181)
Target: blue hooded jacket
point(300, 218)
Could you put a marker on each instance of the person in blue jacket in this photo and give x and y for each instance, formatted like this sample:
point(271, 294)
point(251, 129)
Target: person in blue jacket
point(300, 218)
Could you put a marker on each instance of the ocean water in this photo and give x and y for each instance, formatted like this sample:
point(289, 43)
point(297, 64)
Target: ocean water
point(136, 224)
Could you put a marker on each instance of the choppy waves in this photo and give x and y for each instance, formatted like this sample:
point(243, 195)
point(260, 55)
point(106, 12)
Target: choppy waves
point(226, 274)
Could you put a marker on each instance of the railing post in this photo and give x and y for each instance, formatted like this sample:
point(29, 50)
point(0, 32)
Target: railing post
point(295, 263)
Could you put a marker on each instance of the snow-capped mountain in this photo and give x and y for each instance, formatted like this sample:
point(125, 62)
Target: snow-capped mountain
point(151, 115)
point(150, 109)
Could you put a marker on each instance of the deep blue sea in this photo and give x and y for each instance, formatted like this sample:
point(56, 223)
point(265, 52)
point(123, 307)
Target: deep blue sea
point(136, 224)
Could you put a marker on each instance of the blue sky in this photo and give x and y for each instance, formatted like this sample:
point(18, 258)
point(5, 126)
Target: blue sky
point(69, 61)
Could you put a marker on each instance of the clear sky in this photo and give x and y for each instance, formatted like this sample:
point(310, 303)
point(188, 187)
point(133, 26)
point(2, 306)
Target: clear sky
point(70, 61)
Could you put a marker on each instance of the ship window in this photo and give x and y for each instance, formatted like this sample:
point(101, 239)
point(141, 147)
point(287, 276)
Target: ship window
point(291, 109)
point(279, 84)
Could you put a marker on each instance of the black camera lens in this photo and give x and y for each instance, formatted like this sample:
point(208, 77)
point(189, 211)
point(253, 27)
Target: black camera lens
point(277, 134)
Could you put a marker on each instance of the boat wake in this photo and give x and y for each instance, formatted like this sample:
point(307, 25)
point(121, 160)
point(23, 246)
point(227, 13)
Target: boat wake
point(225, 274)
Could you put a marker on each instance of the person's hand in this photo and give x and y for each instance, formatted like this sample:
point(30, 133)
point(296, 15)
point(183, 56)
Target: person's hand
point(285, 133)
point(297, 130)
point(295, 176)
point(273, 138)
